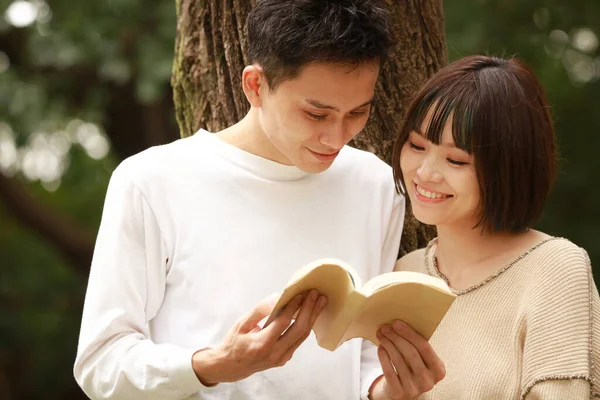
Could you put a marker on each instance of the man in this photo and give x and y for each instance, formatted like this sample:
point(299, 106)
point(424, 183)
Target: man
point(195, 232)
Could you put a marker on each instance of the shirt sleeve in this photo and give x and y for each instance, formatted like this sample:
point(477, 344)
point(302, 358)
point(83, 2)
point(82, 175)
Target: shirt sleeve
point(115, 357)
point(370, 369)
point(560, 349)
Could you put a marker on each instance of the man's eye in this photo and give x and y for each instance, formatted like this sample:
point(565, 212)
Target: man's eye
point(358, 113)
point(316, 117)
point(415, 147)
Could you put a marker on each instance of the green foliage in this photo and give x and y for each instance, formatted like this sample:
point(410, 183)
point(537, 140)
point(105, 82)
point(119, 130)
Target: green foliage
point(545, 35)
point(62, 68)
point(40, 298)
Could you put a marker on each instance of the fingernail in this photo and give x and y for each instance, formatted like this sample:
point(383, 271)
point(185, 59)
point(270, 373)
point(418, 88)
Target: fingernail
point(386, 329)
point(322, 301)
point(399, 325)
point(313, 294)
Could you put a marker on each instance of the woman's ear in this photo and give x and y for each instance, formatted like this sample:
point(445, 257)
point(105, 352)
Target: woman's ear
point(252, 81)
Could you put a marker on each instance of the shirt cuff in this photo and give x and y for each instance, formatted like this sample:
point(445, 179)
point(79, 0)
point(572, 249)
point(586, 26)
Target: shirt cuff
point(367, 381)
point(181, 374)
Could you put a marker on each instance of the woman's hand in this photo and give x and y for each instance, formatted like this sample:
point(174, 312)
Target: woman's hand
point(410, 366)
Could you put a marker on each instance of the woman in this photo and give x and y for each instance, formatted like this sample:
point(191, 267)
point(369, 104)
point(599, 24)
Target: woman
point(476, 158)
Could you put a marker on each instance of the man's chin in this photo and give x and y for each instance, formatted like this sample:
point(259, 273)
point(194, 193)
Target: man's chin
point(315, 168)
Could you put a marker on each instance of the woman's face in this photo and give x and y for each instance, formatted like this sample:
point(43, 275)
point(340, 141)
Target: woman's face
point(441, 180)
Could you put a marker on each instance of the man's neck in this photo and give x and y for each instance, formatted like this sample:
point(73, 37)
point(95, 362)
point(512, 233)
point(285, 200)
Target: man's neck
point(248, 135)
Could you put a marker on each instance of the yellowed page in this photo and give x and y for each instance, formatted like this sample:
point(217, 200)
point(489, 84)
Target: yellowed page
point(330, 334)
point(419, 305)
point(329, 278)
point(390, 278)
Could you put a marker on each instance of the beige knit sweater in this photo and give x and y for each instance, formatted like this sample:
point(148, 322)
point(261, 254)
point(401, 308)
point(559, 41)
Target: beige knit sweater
point(530, 331)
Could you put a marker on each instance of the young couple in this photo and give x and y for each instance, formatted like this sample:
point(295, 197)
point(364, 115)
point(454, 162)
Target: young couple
point(195, 234)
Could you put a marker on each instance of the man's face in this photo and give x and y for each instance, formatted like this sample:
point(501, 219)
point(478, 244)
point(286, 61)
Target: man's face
point(310, 118)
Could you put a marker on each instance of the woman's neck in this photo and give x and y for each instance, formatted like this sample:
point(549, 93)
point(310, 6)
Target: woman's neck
point(464, 245)
point(466, 255)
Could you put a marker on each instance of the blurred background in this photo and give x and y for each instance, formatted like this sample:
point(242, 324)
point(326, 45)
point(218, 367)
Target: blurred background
point(85, 84)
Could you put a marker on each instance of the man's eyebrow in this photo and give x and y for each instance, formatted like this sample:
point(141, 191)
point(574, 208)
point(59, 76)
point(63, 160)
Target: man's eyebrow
point(318, 104)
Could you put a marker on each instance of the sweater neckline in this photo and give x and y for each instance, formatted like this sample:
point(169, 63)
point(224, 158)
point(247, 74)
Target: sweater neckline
point(432, 269)
point(259, 166)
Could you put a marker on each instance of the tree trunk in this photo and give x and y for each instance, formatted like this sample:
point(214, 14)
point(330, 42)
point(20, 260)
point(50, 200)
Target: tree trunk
point(211, 52)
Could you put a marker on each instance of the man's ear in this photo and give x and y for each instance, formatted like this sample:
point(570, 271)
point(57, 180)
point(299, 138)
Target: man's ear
point(254, 84)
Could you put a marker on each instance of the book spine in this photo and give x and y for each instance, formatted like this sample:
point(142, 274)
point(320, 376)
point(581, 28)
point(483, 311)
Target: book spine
point(334, 333)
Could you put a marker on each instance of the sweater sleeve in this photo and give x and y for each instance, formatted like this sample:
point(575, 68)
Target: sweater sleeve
point(559, 389)
point(561, 347)
point(370, 369)
point(115, 357)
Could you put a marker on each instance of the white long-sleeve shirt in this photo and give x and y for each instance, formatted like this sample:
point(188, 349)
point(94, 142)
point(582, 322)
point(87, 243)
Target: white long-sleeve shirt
point(193, 235)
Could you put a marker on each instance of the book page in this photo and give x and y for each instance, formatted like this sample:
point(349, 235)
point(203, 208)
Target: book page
point(391, 278)
point(420, 305)
point(328, 277)
point(306, 269)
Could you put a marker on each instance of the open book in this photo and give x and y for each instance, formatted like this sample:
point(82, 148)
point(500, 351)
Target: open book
point(355, 310)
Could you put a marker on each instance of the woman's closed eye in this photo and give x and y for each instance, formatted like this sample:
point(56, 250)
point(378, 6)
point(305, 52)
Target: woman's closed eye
point(415, 147)
point(456, 162)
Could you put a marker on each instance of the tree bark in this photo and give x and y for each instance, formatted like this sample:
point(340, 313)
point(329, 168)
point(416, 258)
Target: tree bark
point(211, 52)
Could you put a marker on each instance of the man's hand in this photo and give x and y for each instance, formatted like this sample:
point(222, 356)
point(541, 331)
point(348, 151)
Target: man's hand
point(410, 366)
point(248, 349)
